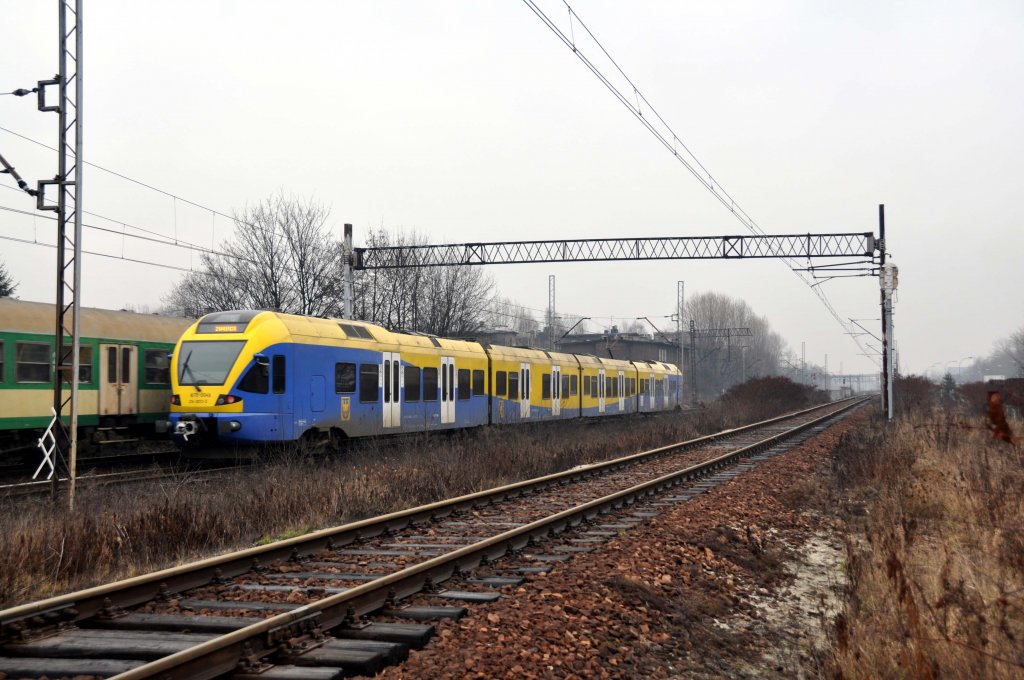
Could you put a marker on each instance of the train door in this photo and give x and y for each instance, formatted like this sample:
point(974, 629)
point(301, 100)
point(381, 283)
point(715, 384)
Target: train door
point(651, 384)
point(556, 391)
point(600, 390)
point(119, 380)
point(621, 392)
point(392, 389)
point(524, 390)
point(447, 390)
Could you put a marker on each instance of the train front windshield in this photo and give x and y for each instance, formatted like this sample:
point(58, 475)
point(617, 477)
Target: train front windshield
point(207, 362)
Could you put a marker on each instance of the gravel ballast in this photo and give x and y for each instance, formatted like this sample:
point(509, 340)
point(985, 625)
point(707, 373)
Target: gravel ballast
point(692, 592)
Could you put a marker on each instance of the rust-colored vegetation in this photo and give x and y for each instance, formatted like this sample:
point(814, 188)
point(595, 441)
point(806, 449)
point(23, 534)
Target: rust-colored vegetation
point(935, 548)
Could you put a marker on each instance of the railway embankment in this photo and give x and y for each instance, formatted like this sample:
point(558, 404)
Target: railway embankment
point(867, 552)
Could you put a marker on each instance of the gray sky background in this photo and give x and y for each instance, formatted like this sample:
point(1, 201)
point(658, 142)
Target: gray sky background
point(470, 121)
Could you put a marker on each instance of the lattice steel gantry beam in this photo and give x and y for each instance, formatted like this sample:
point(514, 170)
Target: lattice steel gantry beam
point(806, 246)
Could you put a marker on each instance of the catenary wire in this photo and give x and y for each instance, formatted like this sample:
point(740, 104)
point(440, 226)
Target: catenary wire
point(709, 182)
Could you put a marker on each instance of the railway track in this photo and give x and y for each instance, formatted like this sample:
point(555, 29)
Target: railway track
point(167, 474)
point(351, 599)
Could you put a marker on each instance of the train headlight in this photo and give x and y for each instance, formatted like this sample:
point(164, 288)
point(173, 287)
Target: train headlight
point(175, 400)
point(225, 399)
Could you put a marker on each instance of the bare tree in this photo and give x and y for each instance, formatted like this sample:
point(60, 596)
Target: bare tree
point(7, 282)
point(722, 359)
point(1013, 348)
point(438, 300)
point(282, 257)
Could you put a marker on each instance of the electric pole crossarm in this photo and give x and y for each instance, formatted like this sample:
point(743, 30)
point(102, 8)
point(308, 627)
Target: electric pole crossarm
point(849, 244)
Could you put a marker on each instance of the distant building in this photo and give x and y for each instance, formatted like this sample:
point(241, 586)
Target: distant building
point(628, 346)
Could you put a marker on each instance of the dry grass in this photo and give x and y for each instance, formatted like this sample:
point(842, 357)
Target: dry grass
point(121, 531)
point(935, 552)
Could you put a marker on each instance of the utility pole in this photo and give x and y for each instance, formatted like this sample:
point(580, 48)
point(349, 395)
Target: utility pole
point(888, 280)
point(693, 361)
point(346, 274)
point(551, 311)
point(680, 287)
point(68, 183)
point(803, 361)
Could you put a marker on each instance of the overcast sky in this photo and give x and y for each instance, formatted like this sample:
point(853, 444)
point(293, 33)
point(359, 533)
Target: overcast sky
point(471, 121)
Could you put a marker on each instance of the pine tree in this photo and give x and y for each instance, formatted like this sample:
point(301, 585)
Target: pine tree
point(948, 387)
point(7, 283)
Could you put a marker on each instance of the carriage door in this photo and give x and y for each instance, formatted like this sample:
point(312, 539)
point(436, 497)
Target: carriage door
point(524, 390)
point(600, 390)
point(392, 389)
point(556, 390)
point(447, 390)
point(119, 380)
point(621, 392)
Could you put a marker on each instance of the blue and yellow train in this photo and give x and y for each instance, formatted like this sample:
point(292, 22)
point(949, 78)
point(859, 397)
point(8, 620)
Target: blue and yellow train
point(251, 376)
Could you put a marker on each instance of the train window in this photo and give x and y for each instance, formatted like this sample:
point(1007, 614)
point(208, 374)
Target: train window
point(478, 383)
point(279, 374)
point(111, 365)
point(32, 362)
point(429, 384)
point(573, 384)
point(85, 364)
point(256, 380)
point(526, 385)
point(545, 386)
point(500, 383)
point(513, 385)
point(369, 382)
point(565, 387)
point(412, 383)
point(1, 361)
point(344, 378)
point(156, 367)
point(464, 391)
point(586, 386)
point(126, 365)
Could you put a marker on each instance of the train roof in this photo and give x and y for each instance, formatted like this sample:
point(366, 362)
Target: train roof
point(318, 329)
point(19, 316)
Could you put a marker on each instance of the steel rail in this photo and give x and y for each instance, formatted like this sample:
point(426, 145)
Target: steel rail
point(85, 604)
point(222, 654)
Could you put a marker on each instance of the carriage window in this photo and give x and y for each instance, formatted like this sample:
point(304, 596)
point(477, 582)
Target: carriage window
point(344, 378)
point(526, 385)
point(369, 382)
point(256, 380)
point(464, 392)
point(157, 367)
point(1, 361)
point(412, 383)
point(112, 365)
point(478, 383)
point(84, 365)
point(32, 362)
point(126, 364)
point(500, 383)
point(586, 386)
point(565, 387)
point(429, 384)
point(545, 386)
point(513, 385)
point(279, 374)
point(572, 385)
